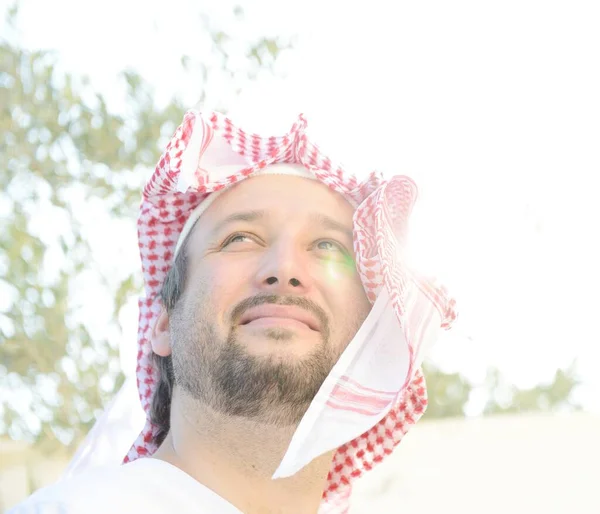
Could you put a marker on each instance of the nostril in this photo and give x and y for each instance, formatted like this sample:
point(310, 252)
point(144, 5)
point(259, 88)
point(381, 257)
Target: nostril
point(294, 282)
point(271, 281)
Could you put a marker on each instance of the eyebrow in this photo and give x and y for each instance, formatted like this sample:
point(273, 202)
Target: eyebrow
point(247, 216)
point(330, 224)
point(316, 218)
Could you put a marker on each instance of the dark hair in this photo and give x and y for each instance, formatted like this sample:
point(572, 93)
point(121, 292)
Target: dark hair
point(170, 294)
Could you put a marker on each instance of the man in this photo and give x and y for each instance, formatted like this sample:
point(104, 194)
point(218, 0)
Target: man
point(280, 335)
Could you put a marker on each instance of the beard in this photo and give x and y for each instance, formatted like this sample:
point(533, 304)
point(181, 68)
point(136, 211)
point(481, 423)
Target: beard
point(218, 371)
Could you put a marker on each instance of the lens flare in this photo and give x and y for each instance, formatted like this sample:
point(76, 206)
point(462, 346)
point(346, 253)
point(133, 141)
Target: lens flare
point(337, 267)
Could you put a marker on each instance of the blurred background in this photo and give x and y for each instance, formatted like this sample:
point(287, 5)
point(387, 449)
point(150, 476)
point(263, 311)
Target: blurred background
point(492, 107)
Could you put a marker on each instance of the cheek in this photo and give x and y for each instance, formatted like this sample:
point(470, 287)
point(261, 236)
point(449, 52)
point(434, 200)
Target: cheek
point(221, 283)
point(350, 306)
point(359, 306)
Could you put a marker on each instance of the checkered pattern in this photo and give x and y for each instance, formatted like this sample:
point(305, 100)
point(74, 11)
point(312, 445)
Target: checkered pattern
point(380, 230)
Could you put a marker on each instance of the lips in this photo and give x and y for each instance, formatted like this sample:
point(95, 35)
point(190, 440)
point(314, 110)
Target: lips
point(280, 311)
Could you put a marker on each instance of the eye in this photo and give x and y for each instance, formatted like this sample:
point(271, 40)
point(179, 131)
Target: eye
point(329, 246)
point(238, 238)
point(330, 251)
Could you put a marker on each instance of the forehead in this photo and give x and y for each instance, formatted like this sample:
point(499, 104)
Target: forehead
point(280, 196)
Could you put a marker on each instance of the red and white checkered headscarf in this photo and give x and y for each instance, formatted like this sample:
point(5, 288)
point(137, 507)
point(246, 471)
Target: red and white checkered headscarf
point(209, 153)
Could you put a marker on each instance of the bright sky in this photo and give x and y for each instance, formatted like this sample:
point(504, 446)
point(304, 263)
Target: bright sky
point(492, 107)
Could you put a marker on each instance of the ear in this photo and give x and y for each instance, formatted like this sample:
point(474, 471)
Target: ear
point(161, 340)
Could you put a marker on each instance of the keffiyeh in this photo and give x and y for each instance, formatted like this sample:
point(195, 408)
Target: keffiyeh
point(376, 391)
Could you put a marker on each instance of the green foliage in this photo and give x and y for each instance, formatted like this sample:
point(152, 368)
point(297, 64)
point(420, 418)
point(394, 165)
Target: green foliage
point(52, 141)
point(448, 393)
point(555, 395)
point(59, 137)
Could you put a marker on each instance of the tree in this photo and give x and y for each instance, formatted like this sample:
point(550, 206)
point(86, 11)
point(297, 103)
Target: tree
point(58, 137)
point(556, 395)
point(449, 393)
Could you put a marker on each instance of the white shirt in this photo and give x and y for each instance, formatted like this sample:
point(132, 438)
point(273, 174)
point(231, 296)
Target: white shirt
point(147, 486)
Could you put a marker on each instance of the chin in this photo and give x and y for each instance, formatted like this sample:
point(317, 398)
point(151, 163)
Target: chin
point(278, 343)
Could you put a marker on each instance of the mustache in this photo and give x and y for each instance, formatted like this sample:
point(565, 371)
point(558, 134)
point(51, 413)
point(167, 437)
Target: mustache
point(296, 301)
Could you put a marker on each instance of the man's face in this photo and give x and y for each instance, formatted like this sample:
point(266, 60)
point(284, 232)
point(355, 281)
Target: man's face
point(271, 299)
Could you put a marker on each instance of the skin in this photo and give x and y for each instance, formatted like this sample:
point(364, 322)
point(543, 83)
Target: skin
point(271, 300)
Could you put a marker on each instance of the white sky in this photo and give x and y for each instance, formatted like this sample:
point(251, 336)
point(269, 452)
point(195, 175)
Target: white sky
point(493, 108)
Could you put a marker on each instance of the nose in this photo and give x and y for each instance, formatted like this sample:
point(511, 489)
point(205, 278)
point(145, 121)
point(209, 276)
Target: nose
point(284, 270)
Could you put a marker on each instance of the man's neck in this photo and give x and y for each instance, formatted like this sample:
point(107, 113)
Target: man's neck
point(236, 457)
